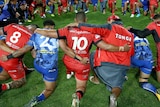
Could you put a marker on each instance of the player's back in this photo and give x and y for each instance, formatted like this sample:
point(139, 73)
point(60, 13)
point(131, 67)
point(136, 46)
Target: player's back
point(46, 50)
point(80, 41)
point(17, 35)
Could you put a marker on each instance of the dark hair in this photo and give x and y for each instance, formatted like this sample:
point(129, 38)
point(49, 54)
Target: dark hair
point(48, 22)
point(157, 16)
point(81, 16)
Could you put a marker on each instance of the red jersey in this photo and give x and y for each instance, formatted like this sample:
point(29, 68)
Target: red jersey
point(17, 35)
point(78, 40)
point(153, 1)
point(115, 35)
point(156, 27)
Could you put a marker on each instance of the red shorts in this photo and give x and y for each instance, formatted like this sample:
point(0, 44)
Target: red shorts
point(155, 4)
point(14, 67)
point(81, 71)
point(110, 2)
point(158, 57)
point(133, 1)
point(64, 3)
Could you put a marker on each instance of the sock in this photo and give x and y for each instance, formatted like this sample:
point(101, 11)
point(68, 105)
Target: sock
point(5, 87)
point(138, 11)
point(41, 97)
point(79, 94)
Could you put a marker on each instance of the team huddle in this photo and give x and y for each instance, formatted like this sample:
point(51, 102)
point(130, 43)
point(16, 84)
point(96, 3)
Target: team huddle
point(118, 49)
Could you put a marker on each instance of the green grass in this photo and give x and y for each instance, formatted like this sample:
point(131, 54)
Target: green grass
point(96, 95)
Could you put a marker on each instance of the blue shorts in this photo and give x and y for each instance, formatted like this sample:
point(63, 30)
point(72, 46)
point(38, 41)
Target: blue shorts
point(71, 2)
point(48, 74)
point(94, 2)
point(144, 66)
point(123, 3)
point(145, 5)
point(112, 75)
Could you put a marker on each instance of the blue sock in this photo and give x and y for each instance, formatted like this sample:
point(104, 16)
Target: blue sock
point(41, 97)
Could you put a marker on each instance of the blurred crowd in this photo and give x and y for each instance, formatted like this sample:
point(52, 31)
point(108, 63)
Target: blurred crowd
point(19, 11)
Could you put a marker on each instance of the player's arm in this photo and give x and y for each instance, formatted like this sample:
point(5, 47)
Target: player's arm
point(47, 32)
point(17, 53)
point(68, 51)
point(1, 31)
point(4, 47)
point(96, 29)
point(141, 33)
point(105, 46)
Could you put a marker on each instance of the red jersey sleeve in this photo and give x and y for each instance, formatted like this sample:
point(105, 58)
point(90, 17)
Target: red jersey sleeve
point(62, 32)
point(7, 27)
point(97, 29)
point(151, 26)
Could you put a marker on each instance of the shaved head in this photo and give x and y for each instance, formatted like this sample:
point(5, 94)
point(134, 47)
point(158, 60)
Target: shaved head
point(80, 17)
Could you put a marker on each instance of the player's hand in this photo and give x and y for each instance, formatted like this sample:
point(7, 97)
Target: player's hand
point(3, 58)
point(129, 27)
point(127, 47)
point(17, 14)
point(85, 60)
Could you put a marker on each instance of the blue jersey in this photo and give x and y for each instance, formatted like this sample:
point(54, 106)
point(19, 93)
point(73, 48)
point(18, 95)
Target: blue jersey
point(142, 49)
point(46, 50)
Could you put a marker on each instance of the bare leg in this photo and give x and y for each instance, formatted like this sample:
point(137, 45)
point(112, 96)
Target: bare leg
point(158, 76)
point(49, 88)
point(4, 75)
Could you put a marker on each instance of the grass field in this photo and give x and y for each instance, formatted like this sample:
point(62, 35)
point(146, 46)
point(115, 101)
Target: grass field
point(96, 95)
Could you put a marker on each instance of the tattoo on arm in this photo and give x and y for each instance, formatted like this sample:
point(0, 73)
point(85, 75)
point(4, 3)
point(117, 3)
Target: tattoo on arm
point(18, 83)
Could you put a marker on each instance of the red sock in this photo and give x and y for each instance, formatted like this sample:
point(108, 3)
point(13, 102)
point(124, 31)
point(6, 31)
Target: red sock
point(4, 87)
point(79, 94)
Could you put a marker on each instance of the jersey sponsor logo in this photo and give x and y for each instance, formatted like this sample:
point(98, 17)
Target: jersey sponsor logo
point(80, 32)
point(122, 37)
point(46, 52)
point(12, 71)
point(85, 76)
point(12, 45)
point(80, 52)
point(23, 30)
point(86, 70)
point(53, 70)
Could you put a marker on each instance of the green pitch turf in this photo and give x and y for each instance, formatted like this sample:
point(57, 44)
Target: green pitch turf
point(96, 95)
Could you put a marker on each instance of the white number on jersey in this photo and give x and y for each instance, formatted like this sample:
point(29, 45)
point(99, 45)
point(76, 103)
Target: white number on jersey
point(77, 43)
point(45, 43)
point(15, 37)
